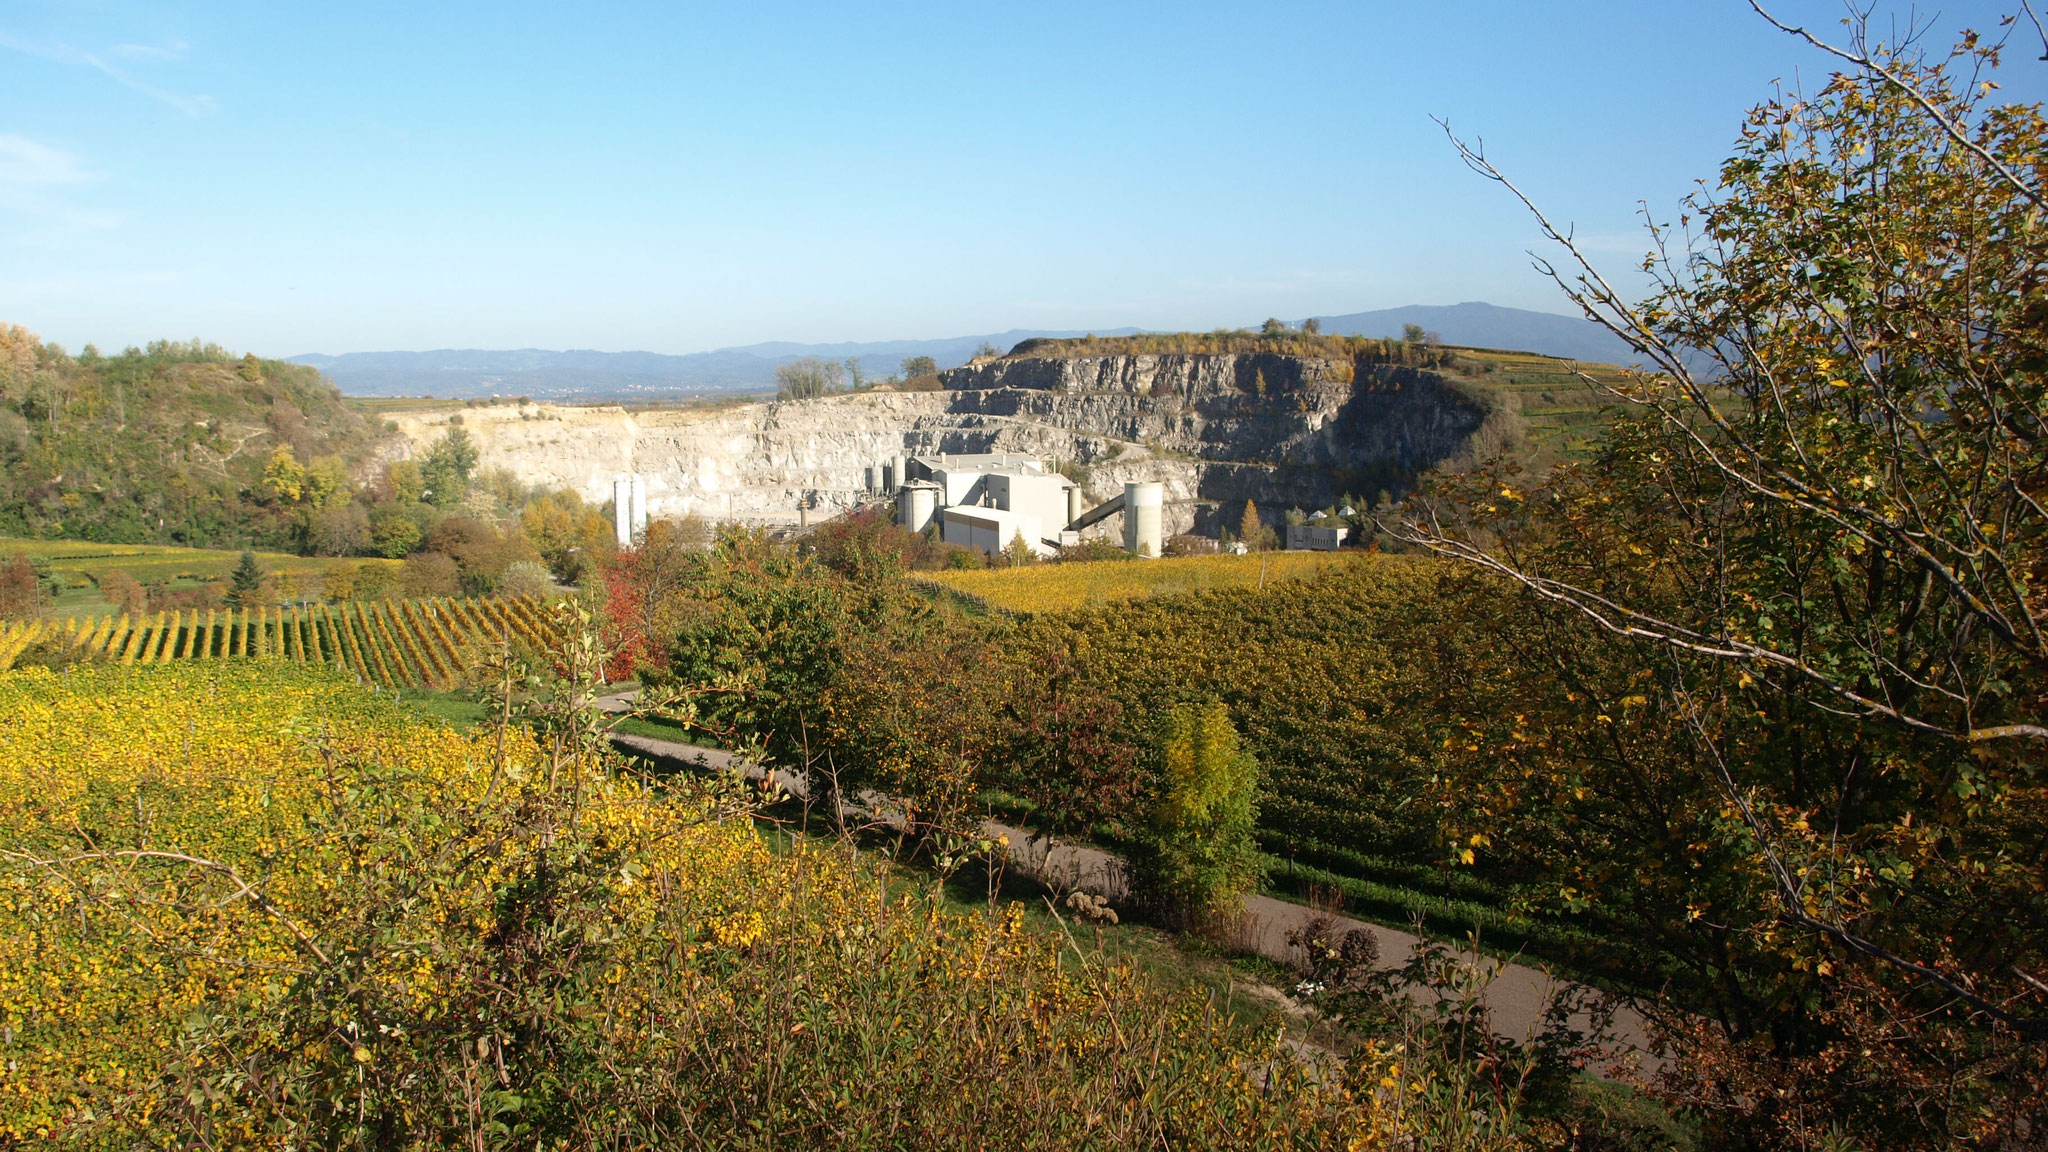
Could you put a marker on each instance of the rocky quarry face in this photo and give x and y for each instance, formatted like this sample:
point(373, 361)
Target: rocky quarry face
point(1217, 430)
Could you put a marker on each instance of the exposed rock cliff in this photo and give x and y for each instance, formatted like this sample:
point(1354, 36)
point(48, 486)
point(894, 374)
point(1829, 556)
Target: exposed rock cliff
point(1280, 430)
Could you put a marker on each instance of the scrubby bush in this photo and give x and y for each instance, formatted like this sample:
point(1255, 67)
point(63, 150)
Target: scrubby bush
point(124, 592)
point(527, 578)
point(1093, 549)
point(429, 574)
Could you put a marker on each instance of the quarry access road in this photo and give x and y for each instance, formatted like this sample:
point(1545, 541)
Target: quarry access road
point(1516, 997)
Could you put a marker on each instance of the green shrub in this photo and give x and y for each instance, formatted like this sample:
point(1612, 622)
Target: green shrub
point(1200, 855)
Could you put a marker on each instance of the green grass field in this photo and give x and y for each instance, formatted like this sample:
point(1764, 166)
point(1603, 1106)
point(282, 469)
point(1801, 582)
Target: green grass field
point(79, 564)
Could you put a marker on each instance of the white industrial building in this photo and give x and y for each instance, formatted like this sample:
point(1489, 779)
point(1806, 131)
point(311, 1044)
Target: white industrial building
point(985, 501)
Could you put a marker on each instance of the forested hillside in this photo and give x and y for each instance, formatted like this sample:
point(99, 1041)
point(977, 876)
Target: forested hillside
point(164, 444)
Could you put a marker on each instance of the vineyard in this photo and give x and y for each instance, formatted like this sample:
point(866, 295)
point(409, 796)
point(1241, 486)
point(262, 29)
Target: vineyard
point(309, 884)
point(391, 643)
point(1560, 407)
point(1321, 679)
point(1065, 587)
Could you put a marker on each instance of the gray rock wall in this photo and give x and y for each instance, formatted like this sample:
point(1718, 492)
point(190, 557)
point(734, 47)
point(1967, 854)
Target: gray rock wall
point(1215, 429)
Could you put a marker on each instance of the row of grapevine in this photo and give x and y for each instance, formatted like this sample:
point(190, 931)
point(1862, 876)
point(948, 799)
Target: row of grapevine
point(1064, 587)
point(405, 643)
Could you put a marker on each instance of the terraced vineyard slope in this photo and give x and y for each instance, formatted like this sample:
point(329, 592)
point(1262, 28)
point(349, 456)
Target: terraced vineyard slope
point(390, 643)
point(1559, 402)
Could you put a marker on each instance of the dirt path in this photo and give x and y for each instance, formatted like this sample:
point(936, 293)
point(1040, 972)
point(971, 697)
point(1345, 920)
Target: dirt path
point(1517, 996)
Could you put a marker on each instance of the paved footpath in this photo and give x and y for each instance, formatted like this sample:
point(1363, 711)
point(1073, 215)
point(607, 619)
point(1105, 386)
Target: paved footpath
point(1516, 997)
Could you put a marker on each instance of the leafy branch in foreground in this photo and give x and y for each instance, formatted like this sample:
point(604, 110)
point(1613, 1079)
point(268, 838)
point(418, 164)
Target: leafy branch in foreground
point(1794, 609)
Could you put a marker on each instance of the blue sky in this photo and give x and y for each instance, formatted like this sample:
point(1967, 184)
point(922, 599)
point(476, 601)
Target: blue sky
point(295, 177)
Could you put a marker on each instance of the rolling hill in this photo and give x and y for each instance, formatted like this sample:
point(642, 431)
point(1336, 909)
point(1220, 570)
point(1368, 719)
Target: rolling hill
point(1477, 325)
point(466, 373)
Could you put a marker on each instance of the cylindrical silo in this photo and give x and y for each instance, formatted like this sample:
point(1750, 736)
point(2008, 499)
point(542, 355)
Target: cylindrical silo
point(639, 505)
point(916, 502)
point(1073, 503)
point(622, 510)
point(1144, 505)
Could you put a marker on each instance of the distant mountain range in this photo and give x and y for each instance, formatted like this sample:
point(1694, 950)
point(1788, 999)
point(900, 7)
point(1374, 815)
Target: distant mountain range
point(472, 373)
point(468, 372)
point(1476, 325)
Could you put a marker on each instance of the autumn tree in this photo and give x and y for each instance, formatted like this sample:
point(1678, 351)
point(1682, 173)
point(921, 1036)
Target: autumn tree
point(21, 593)
point(404, 483)
point(284, 478)
point(1058, 745)
point(341, 529)
point(1249, 529)
point(395, 530)
point(1018, 552)
point(430, 574)
point(124, 592)
point(20, 349)
point(1788, 736)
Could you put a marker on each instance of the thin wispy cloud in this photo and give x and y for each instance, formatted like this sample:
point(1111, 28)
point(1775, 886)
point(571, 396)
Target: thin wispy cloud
point(190, 105)
point(24, 163)
point(91, 285)
point(175, 50)
point(36, 187)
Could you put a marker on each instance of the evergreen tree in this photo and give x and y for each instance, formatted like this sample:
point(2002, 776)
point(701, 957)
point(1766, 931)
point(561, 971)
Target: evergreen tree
point(245, 585)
